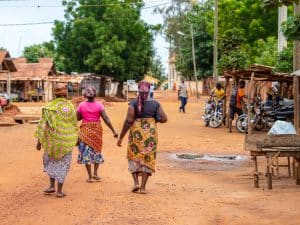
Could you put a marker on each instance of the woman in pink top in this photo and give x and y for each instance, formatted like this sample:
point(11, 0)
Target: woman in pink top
point(90, 137)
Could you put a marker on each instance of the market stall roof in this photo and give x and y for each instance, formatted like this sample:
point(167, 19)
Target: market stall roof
point(66, 79)
point(31, 71)
point(7, 62)
point(261, 72)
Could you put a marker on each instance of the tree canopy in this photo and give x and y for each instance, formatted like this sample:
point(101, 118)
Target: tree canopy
point(109, 38)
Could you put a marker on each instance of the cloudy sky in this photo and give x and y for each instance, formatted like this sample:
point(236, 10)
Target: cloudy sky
point(16, 37)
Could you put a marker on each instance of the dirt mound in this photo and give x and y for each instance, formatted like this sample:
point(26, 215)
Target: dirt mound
point(9, 112)
point(106, 101)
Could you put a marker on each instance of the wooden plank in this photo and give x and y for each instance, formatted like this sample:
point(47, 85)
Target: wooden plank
point(258, 141)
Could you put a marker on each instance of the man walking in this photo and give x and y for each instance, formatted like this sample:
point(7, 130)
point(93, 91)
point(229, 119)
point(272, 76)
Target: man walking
point(182, 95)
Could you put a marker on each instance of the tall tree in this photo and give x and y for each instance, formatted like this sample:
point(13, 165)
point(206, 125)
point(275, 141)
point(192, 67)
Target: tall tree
point(106, 37)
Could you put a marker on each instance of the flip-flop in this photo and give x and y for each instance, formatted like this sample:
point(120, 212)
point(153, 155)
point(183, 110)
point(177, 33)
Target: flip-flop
point(89, 181)
point(96, 178)
point(135, 188)
point(61, 195)
point(49, 191)
point(143, 192)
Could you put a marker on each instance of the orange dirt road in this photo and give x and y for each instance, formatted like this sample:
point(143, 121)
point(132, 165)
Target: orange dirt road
point(180, 192)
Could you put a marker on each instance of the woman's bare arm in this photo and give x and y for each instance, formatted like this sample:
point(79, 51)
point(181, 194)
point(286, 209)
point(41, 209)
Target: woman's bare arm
point(79, 116)
point(127, 123)
point(107, 121)
point(163, 115)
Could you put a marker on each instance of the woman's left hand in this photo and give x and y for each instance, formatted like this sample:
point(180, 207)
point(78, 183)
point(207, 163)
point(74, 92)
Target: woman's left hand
point(116, 135)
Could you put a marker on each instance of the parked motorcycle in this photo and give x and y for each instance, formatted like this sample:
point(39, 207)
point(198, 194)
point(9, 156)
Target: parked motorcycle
point(213, 115)
point(209, 110)
point(263, 116)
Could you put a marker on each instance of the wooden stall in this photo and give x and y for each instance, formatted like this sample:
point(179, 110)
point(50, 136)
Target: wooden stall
point(271, 147)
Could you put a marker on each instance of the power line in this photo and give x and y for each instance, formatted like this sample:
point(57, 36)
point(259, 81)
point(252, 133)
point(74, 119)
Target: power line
point(25, 24)
point(83, 5)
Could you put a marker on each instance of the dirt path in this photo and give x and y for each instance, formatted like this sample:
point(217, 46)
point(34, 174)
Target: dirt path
point(184, 193)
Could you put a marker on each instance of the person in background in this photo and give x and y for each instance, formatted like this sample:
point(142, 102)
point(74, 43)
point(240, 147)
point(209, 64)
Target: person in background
point(236, 102)
point(91, 132)
point(57, 134)
point(218, 92)
point(142, 115)
point(182, 95)
point(152, 90)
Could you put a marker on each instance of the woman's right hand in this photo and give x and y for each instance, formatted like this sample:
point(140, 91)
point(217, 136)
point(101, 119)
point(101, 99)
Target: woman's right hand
point(119, 143)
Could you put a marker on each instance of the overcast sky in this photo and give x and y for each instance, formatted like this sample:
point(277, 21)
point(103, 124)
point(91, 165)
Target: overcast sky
point(15, 38)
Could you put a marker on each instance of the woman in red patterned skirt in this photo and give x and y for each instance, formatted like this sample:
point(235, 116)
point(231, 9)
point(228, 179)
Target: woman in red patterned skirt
point(90, 137)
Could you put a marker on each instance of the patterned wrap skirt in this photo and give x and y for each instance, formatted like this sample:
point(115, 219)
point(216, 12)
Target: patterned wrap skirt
point(142, 146)
point(90, 145)
point(87, 155)
point(57, 169)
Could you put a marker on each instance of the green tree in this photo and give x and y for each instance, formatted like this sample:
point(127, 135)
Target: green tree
point(109, 38)
point(47, 49)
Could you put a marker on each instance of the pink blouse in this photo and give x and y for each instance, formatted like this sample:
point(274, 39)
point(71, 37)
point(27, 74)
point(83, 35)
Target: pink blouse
point(90, 111)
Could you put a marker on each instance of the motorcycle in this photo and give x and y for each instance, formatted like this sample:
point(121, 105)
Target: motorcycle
point(263, 116)
point(213, 115)
point(209, 109)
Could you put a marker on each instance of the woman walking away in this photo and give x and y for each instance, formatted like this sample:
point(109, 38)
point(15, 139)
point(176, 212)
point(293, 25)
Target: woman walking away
point(90, 137)
point(57, 134)
point(142, 116)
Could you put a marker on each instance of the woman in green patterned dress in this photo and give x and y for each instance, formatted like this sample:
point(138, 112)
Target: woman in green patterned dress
point(57, 134)
point(142, 116)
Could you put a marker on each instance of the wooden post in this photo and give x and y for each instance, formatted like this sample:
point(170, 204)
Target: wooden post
point(255, 174)
point(289, 166)
point(268, 173)
point(251, 84)
point(297, 170)
point(225, 101)
point(297, 104)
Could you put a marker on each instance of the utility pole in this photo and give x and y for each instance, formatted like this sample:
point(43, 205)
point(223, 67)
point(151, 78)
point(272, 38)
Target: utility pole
point(194, 61)
point(215, 57)
point(282, 17)
point(296, 55)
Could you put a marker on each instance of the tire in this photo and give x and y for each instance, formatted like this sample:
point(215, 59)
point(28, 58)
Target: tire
point(216, 121)
point(241, 124)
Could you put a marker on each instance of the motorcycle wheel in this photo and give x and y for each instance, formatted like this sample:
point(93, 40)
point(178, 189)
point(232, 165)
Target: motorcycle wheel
point(215, 121)
point(241, 124)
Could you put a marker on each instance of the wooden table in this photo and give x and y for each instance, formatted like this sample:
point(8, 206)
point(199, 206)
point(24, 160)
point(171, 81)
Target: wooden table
point(272, 147)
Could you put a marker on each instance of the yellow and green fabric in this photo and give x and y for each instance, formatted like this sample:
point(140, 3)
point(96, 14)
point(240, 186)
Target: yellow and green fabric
point(142, 143)
point(57, 130)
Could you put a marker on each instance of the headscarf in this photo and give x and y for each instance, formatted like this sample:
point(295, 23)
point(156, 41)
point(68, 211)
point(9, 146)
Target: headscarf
point(90, 92)
point(144, 89)
point(60, 90)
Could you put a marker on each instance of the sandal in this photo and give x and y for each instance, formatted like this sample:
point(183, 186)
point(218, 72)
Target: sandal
point(143, 191)
point(61, 195)
point(49, 191)
point(96, 178)
point(89, 181)
point(135, 188)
